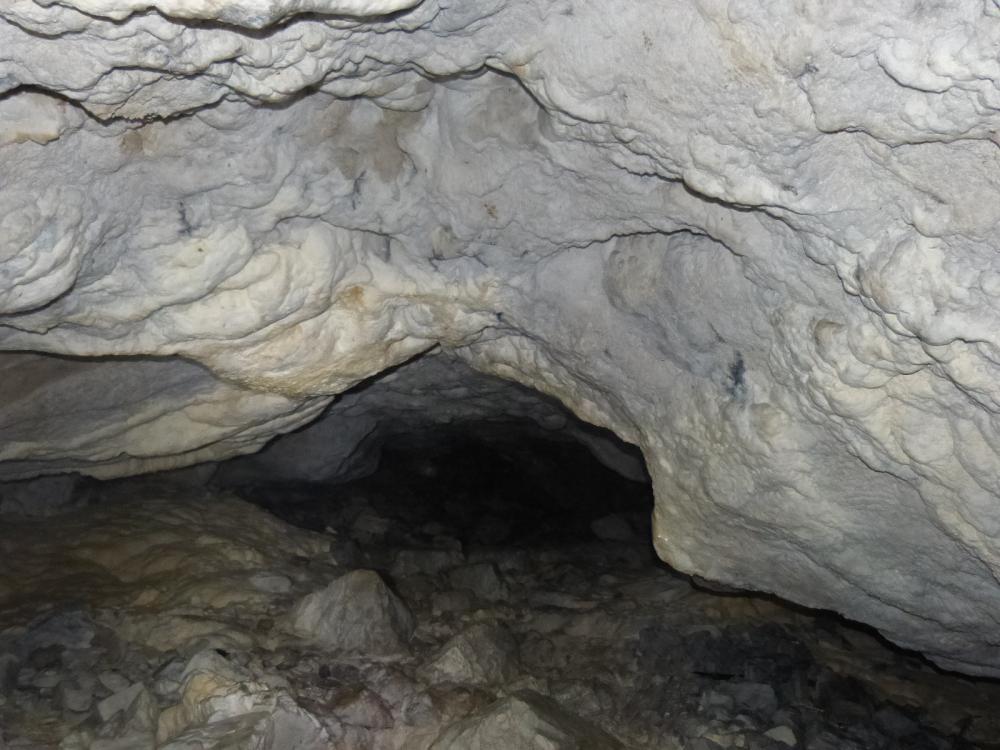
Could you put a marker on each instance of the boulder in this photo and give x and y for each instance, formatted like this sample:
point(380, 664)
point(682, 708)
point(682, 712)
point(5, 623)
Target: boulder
point(482, 654)
point(357, 612)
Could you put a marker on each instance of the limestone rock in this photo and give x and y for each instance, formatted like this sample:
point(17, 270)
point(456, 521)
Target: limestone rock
point(356, 612)
point(482, 579)
point(754, 239)
point(38, 497)
point(482, 654)
point(362, 708)
point(129, 719)
point(783, 734)
point(223, 703)
point(521, 722)
point(72, 696)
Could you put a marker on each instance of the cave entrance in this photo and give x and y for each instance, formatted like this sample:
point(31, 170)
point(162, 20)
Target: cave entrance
point(436, 452)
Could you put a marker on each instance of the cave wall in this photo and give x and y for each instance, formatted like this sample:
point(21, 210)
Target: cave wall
point(756, 240)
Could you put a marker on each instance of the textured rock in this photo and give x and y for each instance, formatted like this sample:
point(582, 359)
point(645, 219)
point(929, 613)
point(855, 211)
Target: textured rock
point(482, 579)
point(222, 705)
point(522, 721)
point(357, 612)
point(756, 240)
point(483, 654)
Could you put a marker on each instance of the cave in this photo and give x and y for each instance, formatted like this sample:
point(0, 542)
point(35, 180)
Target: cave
point(442, 558)
point(674, 322)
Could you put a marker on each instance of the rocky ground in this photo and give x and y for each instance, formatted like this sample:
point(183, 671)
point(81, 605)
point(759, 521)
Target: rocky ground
point(364, 616)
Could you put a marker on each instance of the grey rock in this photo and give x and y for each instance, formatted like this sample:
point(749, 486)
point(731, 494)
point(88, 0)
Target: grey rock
point(894, 722)
point(44, 496)
point(168, 678)
point(134, 705)
point(757, 697)
point(482, 654)
point(361, 707)
point(482, 579)
point(613, 528)
point(70, 695)
point(67, 629)
point(9, 667)
point(356, 612)
point(46, 679)
point(113, 681)
point(524, 721)
point(429, 561)
point(447, 602)
point(271, 583)
point(370, 528)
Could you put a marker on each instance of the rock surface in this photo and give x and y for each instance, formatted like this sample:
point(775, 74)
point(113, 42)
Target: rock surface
point(580, 655)
point(756, 240)
point(521, 722)
point(357, 612)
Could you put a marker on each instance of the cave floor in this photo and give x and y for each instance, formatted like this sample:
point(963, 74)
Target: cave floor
point(170, 619)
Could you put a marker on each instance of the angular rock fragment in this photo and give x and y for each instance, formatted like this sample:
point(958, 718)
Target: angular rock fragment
point(71, 695)
point(357, 612)
point(360, 707)
point(525, 721)
point(483, 654)
point(482, 579)
point(130, 719)
point(222, 703)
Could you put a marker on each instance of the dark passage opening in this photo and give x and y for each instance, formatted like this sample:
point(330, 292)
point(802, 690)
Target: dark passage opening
point(481, 483)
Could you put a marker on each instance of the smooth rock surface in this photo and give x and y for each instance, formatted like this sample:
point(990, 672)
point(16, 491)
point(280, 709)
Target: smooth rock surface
point(756, 240)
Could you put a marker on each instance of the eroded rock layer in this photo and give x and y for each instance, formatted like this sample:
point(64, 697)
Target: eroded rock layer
point(758, 241)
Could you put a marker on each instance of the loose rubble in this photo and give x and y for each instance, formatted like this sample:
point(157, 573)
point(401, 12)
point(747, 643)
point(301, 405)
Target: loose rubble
point(197, 622)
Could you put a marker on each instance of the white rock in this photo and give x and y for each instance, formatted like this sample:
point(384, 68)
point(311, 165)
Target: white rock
point(357, 612)
point(271, 583)
point(783, 734)
point(124, 701)
point(113, 681)
point(482, 654)
point(222, 703)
